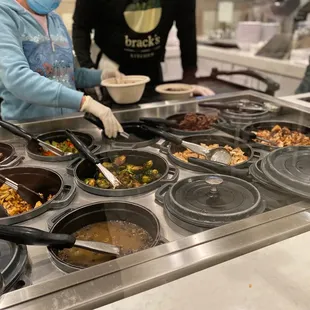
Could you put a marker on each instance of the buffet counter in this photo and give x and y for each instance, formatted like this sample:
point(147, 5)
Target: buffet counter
point(246, 59)
point(284, 72)
point(183, 248)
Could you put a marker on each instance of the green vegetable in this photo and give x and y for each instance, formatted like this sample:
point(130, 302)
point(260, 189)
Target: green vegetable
point(148, 165)
point(107, 165)
point(146, 179)
point(90, 182)
point(102, 183)
point(119, 161)
point(134, 169)
point(131, 176)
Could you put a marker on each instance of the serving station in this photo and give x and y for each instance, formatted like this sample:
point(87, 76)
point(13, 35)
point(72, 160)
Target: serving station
point(198, 216)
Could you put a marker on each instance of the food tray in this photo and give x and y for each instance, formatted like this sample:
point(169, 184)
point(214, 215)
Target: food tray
point(42, 267)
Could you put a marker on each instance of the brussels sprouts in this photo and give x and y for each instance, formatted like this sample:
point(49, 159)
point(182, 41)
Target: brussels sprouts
point(125, 178)
point(102, 183)
point(148, 165)
point(134, 169)
point(146, 179)
point(119, 161)
point(107, 165)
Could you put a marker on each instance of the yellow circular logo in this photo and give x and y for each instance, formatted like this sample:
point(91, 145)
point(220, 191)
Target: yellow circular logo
point(143, 16)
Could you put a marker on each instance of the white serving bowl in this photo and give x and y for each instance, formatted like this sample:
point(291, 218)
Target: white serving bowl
point(129, 91)
point(175, 91)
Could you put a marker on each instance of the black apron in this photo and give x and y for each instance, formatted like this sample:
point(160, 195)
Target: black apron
point(142, 45)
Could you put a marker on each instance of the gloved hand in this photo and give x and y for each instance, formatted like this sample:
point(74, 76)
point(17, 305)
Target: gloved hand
point(111, 74)
point(202, 91)
point(111, 125)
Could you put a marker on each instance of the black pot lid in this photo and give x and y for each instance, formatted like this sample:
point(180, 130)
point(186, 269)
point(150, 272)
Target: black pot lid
point(244, 114)
point(212, 200)
point(289, 168)
point(257, 173)
point(13, 262)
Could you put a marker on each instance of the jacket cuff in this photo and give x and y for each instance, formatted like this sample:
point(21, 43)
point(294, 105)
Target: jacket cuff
point(94, 77)
point(69, 98)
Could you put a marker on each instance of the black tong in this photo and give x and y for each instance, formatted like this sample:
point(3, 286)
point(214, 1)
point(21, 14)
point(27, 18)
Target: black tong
point(242, 134)
point(220, 168)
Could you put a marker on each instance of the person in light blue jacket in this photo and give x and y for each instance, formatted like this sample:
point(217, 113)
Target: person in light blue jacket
point(37, 74)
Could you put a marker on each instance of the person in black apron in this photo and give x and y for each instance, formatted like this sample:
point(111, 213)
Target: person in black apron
point(133, 34)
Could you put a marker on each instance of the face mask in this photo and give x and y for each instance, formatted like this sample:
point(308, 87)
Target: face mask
point(43, 7)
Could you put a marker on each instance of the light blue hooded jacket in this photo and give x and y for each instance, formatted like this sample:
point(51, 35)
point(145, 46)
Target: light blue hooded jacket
point(37, 74)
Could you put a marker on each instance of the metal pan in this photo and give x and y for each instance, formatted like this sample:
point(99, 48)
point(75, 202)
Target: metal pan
point(85, 169)
point(43, 181)
point(269, 125)
point(179, 117)
point(34, 150)
point(170, 149)
point(72, 220)
point(10, 158)
point(138, 137)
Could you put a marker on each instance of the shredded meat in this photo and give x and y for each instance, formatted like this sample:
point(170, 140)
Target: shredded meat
point(282, 136)
point(237, 155)
point(196, 122)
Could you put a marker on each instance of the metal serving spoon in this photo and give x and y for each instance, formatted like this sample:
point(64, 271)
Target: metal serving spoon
point(33, 236)
point(220, 154)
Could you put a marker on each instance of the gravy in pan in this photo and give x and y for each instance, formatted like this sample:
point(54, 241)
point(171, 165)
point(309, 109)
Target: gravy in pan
point(128, 236)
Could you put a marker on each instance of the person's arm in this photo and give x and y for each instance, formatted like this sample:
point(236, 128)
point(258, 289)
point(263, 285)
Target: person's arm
point(87, 78)
point(186, 25)
point(83, 25)
point(24, 83)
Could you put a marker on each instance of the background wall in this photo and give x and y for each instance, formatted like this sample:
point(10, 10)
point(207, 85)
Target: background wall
point(66, 10)
point(206, 13)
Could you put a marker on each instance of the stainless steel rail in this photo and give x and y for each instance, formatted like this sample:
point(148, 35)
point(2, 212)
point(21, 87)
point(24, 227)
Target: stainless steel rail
point(96, 287)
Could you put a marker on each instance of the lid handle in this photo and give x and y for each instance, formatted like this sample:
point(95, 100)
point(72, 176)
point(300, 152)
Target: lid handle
point(214, 182)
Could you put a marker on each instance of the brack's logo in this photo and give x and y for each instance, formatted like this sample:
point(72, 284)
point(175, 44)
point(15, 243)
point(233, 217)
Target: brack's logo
point(149, 42)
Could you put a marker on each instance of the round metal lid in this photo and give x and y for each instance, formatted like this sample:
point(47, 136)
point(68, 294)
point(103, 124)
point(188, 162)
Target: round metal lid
point(13, 261)
point(244, 114)
point(212, 200)
point(289, 168)
point(256, 172)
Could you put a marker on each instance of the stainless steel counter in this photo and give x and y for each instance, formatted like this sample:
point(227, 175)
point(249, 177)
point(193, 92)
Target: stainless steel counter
point(188, 253)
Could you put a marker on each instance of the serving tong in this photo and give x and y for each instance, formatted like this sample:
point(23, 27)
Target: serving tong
point(96, 121)
point(242, 134)
point(220, 168)
point(156, 121)
point(220, 154)
point(16, 130)
point(33, 236)
point(81, 147)
point(23, 191)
